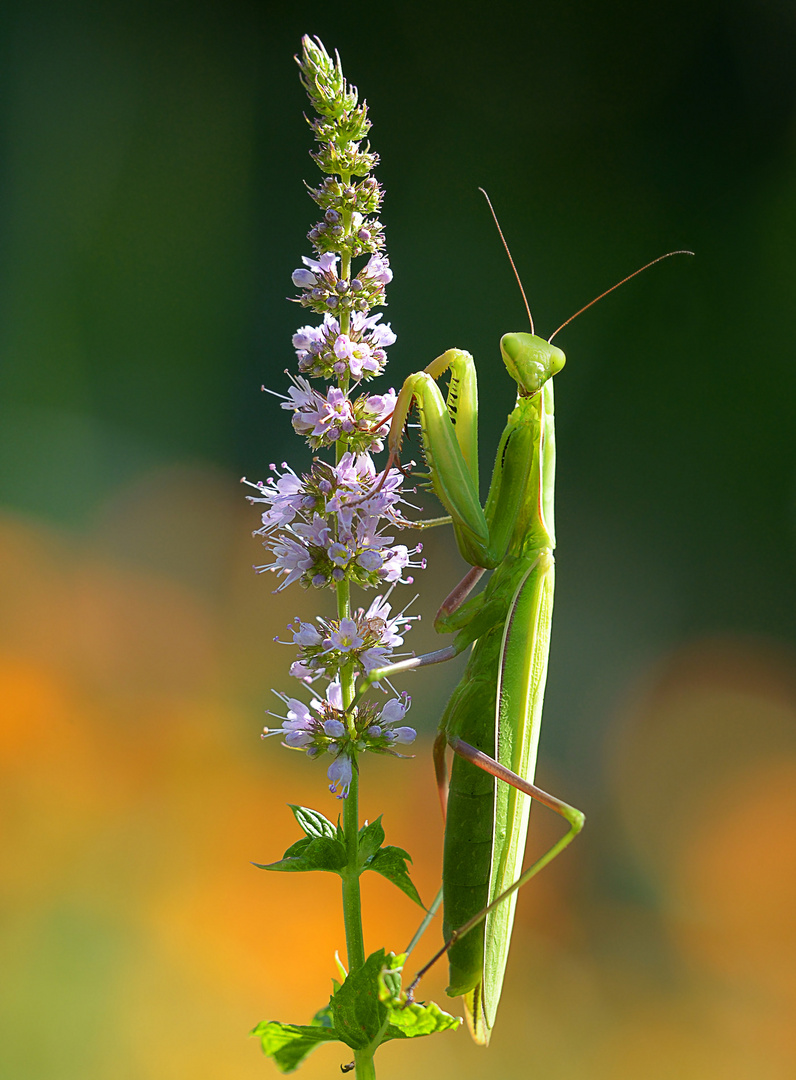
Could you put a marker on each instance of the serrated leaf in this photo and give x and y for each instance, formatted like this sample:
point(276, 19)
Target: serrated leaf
point(290, 1044)
point(412, 1021)
point(322, 853)
point(391, 862)
point(409, 1021)
point(371, 837)
point(312, 822)
point(357, 1011)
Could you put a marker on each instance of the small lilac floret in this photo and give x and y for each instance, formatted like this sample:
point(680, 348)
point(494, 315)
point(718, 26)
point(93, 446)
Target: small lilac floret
point(306, 635)
point(339, 554)
point(404, 735)
point(346, 638)
point(303, 279)
point(374, 658)
point(334, 695)
point(394, 711)
point(378, 268)
point(340, 773)
point(370, 560)
point(394, 566)
point(297, 728)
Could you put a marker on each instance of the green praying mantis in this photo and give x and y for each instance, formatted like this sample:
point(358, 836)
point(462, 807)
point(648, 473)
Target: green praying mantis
point(493, 719)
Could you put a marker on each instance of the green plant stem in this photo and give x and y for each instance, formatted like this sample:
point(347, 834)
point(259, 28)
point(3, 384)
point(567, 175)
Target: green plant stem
point(352, 908)
point(366, 1067)
point(352, 903)
point(352, 911)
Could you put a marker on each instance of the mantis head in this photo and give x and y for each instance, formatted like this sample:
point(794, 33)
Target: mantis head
point(530, 361)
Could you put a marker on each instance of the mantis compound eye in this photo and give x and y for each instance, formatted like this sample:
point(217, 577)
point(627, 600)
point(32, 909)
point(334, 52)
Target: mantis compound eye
point(530, 360)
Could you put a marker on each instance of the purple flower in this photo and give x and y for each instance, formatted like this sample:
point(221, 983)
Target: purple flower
point(332, 525)
point(378, 268)
point(404, 735)
point(298, 726)
point(395, 563)
point(394, 711)
point(284, 497)
point(340, 774)
point(298, 512)
point(334, 696)
point(291, 559)
point(367, 639)
point(390, 717)
point(345, 638)
point(306, 279)
point(306, 635)
point(326, 352)
point(370, 559)
point(303, 279)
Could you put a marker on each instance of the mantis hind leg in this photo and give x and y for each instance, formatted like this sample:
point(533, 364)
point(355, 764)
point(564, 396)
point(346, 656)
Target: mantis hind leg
point(441, 772)
point(479, 1025)
point(574, 817)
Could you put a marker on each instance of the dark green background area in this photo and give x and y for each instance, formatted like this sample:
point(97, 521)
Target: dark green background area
point(153, 209)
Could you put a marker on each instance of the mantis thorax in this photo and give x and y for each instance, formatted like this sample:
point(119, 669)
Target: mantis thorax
point(530, 361)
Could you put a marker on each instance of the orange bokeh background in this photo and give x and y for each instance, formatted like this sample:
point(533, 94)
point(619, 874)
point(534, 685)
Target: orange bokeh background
point(135, 799)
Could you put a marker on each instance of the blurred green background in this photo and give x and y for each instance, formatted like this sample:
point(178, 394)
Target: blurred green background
point(153, 156)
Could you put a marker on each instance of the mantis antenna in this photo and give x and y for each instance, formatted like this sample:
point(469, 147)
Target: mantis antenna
point(640, 270)
point(513, 267)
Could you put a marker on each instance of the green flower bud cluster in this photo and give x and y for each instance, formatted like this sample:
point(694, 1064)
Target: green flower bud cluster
point(324, 81)
point(341, 126)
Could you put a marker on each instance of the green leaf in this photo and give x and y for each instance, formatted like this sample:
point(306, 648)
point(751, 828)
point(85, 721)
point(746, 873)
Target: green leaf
point(371, 837)
point(321, 853)
point(312, 822)
point(290, 1044)
point(409, 1021)
point(357, 1011)
point(298, 848)
point(391, 862)
point(419, 1018)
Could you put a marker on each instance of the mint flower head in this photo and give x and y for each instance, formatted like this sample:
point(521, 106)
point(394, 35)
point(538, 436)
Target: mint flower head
point(332, 521)
point(347, 345)
point(326, 727)
point(362, 422)
point(333, 526)
point(363, 642)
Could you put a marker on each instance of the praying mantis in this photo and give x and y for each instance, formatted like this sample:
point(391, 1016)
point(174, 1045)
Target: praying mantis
point(493, 719)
